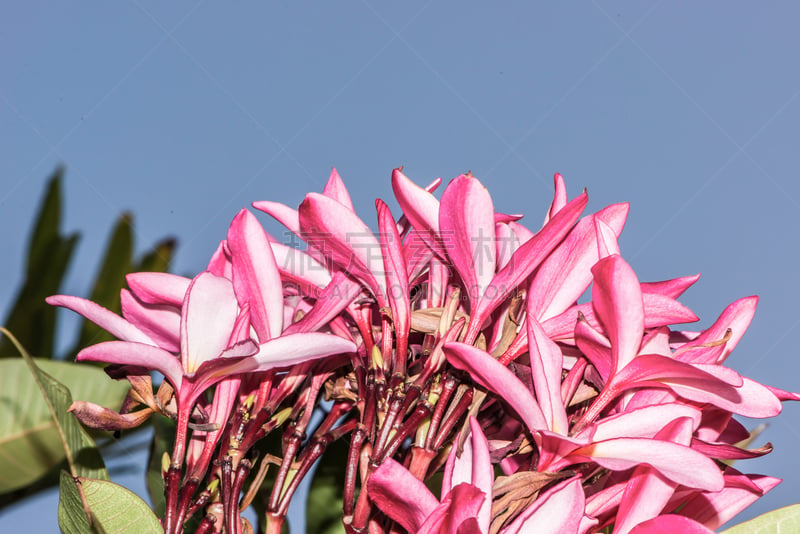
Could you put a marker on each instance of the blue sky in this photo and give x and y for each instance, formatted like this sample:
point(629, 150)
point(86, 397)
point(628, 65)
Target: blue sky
point(184, 112)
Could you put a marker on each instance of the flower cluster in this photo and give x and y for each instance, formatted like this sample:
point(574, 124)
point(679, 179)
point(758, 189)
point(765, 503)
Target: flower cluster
point(451, 343)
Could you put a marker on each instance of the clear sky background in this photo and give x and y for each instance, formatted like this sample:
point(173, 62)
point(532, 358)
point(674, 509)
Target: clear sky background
point(184, 112)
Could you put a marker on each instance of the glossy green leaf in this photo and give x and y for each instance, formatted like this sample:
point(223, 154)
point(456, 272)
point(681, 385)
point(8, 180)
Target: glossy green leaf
point(72, 518)
point(163, 439)
point(116, 263)
point(49, 254)
point(36, 431)
point(117, 510)
point(159, 258)
point(784, 520)
point(326, 496)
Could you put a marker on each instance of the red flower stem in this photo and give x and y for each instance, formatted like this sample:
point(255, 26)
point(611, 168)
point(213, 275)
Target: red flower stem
point(232, 516)
point(351, 471)
point(292, 445)
point(599, 404)
point(448, 387)
point(186, 494)
point(395, 404)
point(172, 483)
point(452, 418)
point(206, 525)
point(309, 456)
point(410, 425)
point(202, 500)
point(225, 489)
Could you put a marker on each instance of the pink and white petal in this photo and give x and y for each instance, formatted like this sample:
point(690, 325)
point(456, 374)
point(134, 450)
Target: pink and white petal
point(291, 349)
point(606, 238)
point(102, 317)
point(457, 513)
point(659, 310)
point(523, 262)
point(648, 491)
point(496, 377)
point(256, 280)
point(736, 318)
point(670, 524)
point(336, 231)
point(559, 198)
point(546, 367)
point(220, 262)
point(559, 510)
point(395, 269)
point(643, 422)
point(160, 322)
point(473, 467)
point(715, 509)
point(208, 316)
point(336, 190)
point(138, 354)
point(421, 208)
point(282, 213)
point(617, 300)
point(158, 288)
point(595, 347)
point(566, 273)
point(670, 288)
point(466, 226)
point(299, 268)
point(336, 296)
point(400, 495)
point(679, 463)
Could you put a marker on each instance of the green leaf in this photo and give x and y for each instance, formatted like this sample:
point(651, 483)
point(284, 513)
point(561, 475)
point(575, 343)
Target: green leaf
point(49, 254)
point(36, 431)
point(783, 520)
point(116, 263)
point(163, 439)
point(326, 496)
point(117, 510)
point(159, 258)
point(72, 517)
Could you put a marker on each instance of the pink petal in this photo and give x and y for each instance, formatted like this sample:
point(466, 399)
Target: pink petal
point(559, 198)
point(336, 190)
point(209, 313)
point(283, 214)
point(648, 491)
point(566, 273)
point(158, 288)
point(256, 280)
point(526, 258)
point(161, 323)
point(337, 232)
point(336, 296)
point(400, 495)
point(617, 299)
point(679, 463)
point(473, 467)
point(659, 310)
point(715, 509)
point(457, 512)
point(421, 208)
point(736, 317)
point(466, 226)
point(293, 349)
point(546, 366)
point(670, 524)
point(394, 263)
point(496, 377)
point(643, 422)
point(297, 267)
point(220, 263)
point(138, 354)
point(558, 510)
point(102, 317)
point(671, 288)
